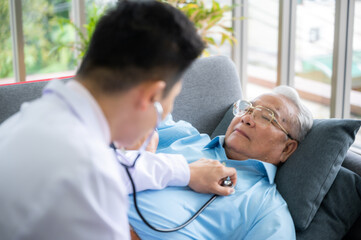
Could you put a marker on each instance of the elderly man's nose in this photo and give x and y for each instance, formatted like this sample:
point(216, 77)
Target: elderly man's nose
point(247, 119)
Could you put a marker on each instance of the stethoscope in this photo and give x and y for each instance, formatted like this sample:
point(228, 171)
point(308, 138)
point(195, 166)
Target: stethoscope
point(120, 156)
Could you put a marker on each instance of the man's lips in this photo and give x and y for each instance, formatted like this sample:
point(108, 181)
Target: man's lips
point(242, 133)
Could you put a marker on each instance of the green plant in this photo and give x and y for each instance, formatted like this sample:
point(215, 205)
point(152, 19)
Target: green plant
point(6, 67)
point(209, 20)
point(94, 14)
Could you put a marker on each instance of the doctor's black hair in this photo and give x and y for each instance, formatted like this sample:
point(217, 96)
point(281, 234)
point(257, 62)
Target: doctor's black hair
point(140, 41)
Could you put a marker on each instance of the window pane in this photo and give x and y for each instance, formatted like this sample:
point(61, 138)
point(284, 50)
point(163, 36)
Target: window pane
point(313, 54)
point(48, 39)
point(6, 64)
point(262, 45)
point(355, 97)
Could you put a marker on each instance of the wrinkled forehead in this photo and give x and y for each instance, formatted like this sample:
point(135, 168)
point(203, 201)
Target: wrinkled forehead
point(279, 104)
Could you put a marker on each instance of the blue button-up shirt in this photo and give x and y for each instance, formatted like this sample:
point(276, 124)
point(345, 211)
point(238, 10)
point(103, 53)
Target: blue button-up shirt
point(255, 211)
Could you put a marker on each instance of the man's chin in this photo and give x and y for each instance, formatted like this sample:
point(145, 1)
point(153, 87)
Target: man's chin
point(235, 143)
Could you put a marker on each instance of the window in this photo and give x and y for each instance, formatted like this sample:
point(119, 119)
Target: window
point(355, 96)
point(313, 54)
point(94, 8)
point(302, 34)
point(6, 69)
point(262, 38)
point(48, 39)
point(48, 35)
point(226, 48)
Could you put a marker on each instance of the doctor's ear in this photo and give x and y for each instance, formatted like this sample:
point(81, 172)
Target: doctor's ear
point(158, 90)
point(151, 92)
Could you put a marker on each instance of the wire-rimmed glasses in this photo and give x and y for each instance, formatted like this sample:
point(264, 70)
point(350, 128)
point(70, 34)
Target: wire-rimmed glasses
point(261, 115)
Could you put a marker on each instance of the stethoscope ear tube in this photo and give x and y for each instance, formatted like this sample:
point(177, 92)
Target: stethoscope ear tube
point(159, 109)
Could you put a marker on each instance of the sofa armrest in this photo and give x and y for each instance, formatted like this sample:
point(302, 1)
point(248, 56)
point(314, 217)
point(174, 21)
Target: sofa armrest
point(353, 163)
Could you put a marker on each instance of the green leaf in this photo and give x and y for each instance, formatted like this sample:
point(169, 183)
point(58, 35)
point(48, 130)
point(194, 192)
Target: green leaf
point(210, 40)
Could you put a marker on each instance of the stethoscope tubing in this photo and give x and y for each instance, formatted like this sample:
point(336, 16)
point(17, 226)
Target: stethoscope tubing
point(159, 111)
point(166, 230)
point(126, 167)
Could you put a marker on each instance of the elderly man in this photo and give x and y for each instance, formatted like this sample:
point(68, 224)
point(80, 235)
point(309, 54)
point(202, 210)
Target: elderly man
point(262, 135)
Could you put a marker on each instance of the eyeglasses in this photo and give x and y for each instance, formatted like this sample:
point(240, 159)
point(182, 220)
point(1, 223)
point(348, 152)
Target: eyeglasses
point(261, 115)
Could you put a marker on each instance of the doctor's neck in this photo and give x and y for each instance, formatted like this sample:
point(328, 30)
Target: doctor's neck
point(125, 111)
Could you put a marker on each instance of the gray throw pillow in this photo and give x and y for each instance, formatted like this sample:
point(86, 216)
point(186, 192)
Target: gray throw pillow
point(308, 174)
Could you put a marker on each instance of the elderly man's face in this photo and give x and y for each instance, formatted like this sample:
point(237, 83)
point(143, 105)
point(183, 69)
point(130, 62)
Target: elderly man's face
point(246, 139)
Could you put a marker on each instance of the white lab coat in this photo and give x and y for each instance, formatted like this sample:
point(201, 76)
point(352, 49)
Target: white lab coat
point(58, 177)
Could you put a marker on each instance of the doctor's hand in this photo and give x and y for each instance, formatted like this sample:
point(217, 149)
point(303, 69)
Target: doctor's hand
point(207, 176)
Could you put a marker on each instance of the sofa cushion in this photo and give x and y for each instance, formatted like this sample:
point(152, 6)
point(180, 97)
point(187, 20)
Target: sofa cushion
point(308, 174)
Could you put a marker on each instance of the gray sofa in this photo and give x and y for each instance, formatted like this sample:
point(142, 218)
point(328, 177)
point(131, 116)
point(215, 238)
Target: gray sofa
point(210, 87)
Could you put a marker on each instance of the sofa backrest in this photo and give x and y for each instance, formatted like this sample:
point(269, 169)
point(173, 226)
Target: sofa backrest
point(12, 96)
point(210, 86)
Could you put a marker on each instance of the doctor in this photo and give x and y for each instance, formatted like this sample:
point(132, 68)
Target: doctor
point(58, 177)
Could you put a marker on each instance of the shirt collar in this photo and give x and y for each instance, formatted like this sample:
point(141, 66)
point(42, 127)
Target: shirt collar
point(271, 171)
point(83, 106)
point(215, 142)
point(268, 168)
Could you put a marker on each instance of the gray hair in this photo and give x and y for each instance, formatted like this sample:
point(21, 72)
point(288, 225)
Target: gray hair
point(304, 119)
